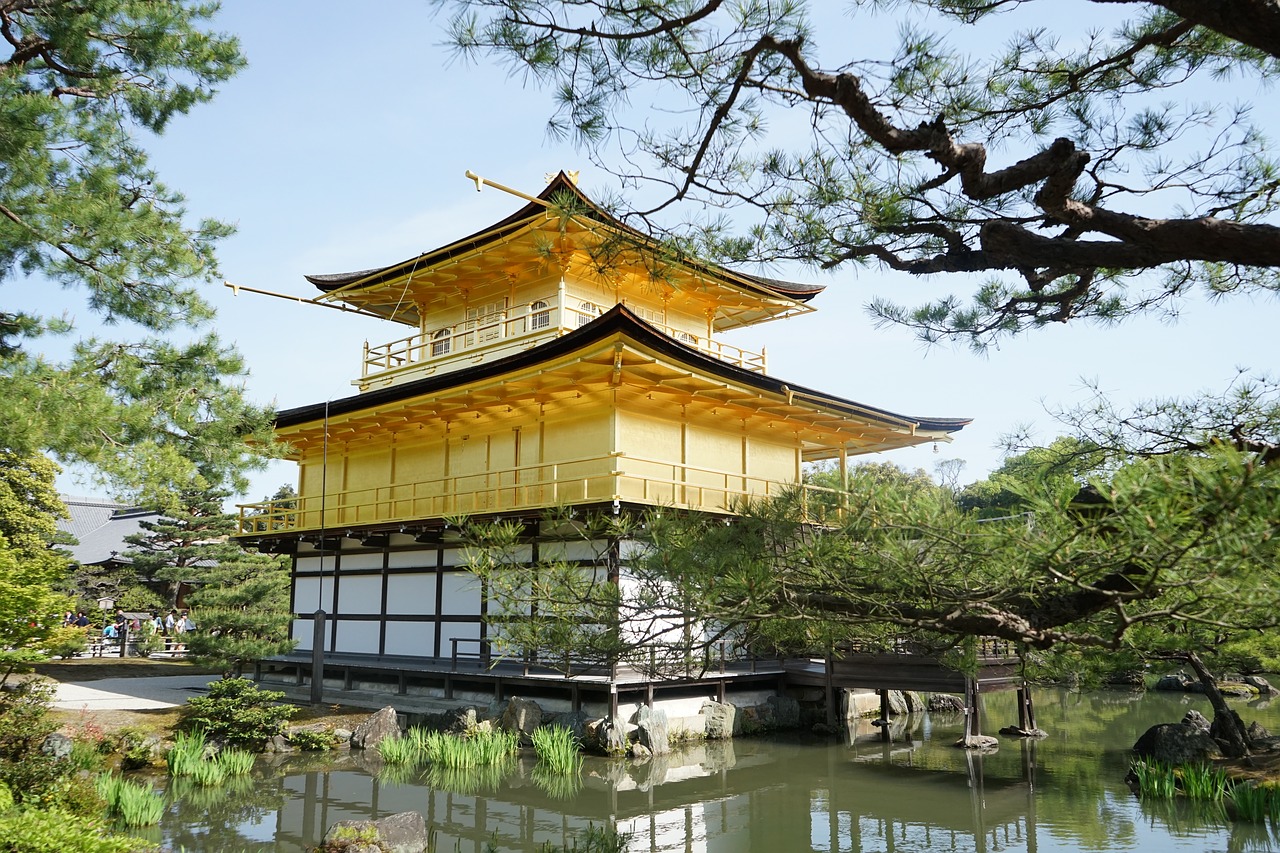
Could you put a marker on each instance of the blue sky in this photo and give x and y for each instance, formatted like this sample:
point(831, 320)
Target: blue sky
point(343, 146)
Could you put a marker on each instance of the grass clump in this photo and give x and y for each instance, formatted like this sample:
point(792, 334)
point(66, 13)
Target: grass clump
point(188, 752)
point(399, 750)
point(1202, 782)
point(1155, 779)
point(129, 803)
point(557, 750)
point(235, 762)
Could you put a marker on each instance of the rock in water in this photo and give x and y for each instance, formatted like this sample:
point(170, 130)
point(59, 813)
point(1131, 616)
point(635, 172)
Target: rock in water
point(376, 727)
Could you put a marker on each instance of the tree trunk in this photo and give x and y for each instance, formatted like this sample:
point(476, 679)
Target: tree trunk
point(1234, 741)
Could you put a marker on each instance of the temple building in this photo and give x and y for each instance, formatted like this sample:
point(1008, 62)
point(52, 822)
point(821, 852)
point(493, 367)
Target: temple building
point(556, 358)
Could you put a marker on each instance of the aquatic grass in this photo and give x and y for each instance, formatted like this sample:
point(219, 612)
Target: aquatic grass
point(130, 803)
point(1252, 802)
point(1202, 782)
point(187, 753)
point(235, 762)
point(204, 798)
point(493, 747)
point(1155, 779)
point(481, 749)
point(557, 750)
point(399, 750)
point(208, 773)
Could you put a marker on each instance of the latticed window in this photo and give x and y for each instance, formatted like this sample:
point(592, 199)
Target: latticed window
point(539, 315)
point(441, 342)
point(587, 311)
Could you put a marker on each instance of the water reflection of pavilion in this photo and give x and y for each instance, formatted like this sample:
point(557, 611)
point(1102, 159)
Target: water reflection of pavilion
point(719, 796)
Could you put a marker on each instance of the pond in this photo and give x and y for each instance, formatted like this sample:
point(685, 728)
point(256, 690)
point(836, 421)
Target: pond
point(794, 792)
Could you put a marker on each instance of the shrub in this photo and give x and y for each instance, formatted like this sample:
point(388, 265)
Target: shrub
point(238, 714)
point(66, 643)
point(31, 831)
point(312, 740)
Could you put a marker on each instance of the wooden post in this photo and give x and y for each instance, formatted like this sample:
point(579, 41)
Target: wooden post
point(885, 734)
point(317, 658)
point(830, 690)
point(973, 721)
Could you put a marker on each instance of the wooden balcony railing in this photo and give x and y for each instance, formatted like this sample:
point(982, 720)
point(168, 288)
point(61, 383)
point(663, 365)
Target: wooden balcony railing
point(491, 335)
point(593, 480)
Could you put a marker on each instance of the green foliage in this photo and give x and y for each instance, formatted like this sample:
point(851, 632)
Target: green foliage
point(575, 622)
point(237, 714)
point(129, 803)
point(1202, 782)
point(83, 210)
point(29, 569)
point(1155, 778)
point(35, 831)
point(241, 599)
point(188, 751)
point(309, 740)
point(557, 749)
point(974, 140)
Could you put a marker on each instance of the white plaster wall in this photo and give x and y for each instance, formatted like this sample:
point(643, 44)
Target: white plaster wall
point(412, 559)
point(361, 561)
point(357, 637)
point(313, 564)
point(360, 594)
point(411, 638)
point(461, 593)
point(311, 594)
point(573, 550)
point(301, 631)
point(411, 594)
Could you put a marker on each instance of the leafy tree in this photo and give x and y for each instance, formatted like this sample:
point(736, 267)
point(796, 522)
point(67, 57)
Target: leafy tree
point(190, 536)
point(1065, 462)
point(30, 609)
point(241, 611)
point(240, 598)
point(81, 208)
point(1038, 164)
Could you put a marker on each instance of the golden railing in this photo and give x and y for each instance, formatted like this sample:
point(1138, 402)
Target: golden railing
point(439, 347)
point(592, 480)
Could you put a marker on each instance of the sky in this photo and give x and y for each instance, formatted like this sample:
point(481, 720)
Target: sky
point(343, 146)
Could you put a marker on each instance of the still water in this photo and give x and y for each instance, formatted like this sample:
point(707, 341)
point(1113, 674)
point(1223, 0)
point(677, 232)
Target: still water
point(1063, 793)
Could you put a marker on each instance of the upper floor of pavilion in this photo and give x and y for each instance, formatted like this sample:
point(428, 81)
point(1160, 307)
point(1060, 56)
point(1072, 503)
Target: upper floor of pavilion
point(551, 267)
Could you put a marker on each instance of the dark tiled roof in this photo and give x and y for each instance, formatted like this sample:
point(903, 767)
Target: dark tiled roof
point(101, 527)
point(561, 183)
point(618, 319)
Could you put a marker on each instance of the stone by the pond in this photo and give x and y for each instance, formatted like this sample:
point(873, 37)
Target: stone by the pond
point(985, 743)
point(1196, 720)
point(721, 720)
point(1018, 731)
point(1177, 682)
point(403, 832)
point(653, 730)
point(1176, 743)
point(342, 735)
point(1260, 684)
point(376, 727)
point(945, 703)
point(522, 716)
point(56, 744)
point(786, 712)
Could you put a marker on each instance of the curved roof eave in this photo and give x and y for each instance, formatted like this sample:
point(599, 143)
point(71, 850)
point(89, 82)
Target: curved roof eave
point(616, 320)
point(330, 282)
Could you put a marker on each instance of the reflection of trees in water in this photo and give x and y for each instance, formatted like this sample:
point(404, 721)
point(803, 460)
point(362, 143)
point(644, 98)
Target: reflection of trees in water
point(217, 817)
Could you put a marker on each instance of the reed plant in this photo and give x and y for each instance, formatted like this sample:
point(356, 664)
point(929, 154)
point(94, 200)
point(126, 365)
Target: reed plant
point(1202, 782)
point(130, 803)
point(236, 762)
point(404, 751)
point(557, 750)
point(1155, 779)
point(188, 752)
point(208, 773)
point(1252, 802)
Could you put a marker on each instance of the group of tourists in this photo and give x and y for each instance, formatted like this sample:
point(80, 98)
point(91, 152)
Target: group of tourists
point(171, 626)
